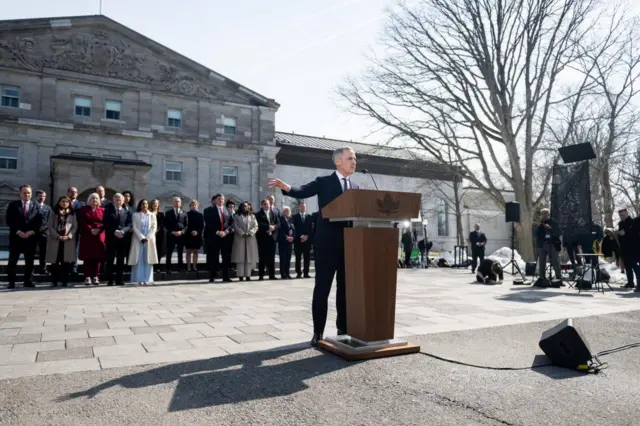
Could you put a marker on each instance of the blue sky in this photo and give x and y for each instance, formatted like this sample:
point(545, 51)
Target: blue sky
point(295, 51)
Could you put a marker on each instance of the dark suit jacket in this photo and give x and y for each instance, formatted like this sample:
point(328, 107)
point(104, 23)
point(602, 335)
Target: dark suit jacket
point(286, 227)
point(196, 223)
point(303, 228)
point(328, 235)
point(477, 237)
point(263, 226)
point(407, 241)
point(173, 223)
point(17, 221)
point(112, 222)
point(212, 221)
point(45, 212)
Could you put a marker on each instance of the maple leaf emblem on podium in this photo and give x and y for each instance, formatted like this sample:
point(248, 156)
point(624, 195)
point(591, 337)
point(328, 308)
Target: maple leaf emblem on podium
point(388, 205)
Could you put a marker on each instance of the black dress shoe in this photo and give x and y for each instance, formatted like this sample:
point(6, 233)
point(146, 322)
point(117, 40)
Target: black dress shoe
point(273, 278)
point(341, 332)
point(248, 278)
point(110, 283)
point(298, 276)
point(211, 280)
point(316, 339)
point(11, 286)
point(29, 285)
point(227, 280)
point(307, 276)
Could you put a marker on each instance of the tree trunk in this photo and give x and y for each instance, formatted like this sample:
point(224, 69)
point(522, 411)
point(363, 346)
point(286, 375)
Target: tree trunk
point(524, 233)
point(458, 208)
point(607, 195)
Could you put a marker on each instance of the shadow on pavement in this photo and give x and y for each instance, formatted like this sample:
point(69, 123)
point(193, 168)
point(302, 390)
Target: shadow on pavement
point(528, 295)
point(552, 371)
point(229, 379)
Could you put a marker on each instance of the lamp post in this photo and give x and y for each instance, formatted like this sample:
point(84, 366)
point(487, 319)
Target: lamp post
point(424, 225)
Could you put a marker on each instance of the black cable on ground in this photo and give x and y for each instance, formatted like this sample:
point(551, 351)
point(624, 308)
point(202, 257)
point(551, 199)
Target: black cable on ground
point(592, 367)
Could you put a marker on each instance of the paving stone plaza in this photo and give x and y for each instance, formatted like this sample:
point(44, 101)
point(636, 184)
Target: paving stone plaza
point(51, 331)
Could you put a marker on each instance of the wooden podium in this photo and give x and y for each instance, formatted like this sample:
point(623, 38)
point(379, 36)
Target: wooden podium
point(371, 261)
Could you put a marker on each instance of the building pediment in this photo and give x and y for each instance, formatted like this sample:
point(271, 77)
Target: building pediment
point(100, 47)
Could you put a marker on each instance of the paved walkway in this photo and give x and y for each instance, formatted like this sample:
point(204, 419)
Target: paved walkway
point(49, 331)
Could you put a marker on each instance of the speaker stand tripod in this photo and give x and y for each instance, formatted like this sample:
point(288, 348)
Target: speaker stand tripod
point(514, 265)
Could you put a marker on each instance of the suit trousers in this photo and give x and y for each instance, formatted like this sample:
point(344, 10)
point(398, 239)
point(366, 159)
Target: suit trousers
point(28, 249)
point(285, 249)
point(303, 252)
point(631, 266)
point(215, 247)
point(548, 249)
point(42, 252)
point(267, 256)
point(60, 269)
point(117, 250)
point(329, 263)
point(476, 253)
point(174, 243)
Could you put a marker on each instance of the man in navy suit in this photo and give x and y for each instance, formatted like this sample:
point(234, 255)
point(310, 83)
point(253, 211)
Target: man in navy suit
point(329, 239)
point(303, 223)
point(267, 236)
point(117, 224)
point(286, 237)
point(478, 242)
point(24, 221)
point(43, 234)
point(175, 223)
point(218, 226)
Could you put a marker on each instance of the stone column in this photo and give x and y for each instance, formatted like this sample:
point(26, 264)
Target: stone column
point(146, 112)
point(203, 192)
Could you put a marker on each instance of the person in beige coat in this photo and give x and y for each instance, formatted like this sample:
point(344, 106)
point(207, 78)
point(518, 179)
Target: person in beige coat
point(61, 248)
point(245, 247)
point(143, 254)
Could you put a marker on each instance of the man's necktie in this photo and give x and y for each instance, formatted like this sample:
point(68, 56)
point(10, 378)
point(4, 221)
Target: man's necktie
point(26, 208)
point(345, 187)
point(302, 217)
point(221, 219)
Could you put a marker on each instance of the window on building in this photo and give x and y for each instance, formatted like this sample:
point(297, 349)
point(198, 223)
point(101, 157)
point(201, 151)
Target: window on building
point(229, 175)
point(10, 97)
point(8, 158)
point(113, 109)
point(174, 118)
point(83, 107)
point(229, 126)
point(443, 218)
point(173, 171)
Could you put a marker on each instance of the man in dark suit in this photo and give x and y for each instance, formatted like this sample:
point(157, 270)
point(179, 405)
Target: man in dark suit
point(43, 234)
point(303, 223)
point(228, 240)
point(329, 239)
point(75, 204)
point(24, 221)
point(274, 209)
point(286, 237)
point(218, 225)
point(629, 238)
point(117, 224)
point(478, 242)
point(175, 223)
point(101, 193)
point(267, 236)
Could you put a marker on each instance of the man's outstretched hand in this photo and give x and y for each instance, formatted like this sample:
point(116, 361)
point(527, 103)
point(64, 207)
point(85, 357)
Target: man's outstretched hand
point(277, 183)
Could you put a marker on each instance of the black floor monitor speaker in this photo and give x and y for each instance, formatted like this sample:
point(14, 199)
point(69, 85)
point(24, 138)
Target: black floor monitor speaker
point(512, 211)
point(564, 346)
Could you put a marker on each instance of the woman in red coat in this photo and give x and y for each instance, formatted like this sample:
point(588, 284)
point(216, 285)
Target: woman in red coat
point(92, 247)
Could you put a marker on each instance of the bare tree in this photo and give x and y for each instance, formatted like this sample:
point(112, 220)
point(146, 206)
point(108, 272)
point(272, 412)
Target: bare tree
point(478, 76)
point(627, 181)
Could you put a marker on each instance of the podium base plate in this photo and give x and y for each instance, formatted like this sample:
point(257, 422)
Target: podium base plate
point(353, 349)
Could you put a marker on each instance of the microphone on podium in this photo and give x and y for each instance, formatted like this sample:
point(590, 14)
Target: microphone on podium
point(366, 172)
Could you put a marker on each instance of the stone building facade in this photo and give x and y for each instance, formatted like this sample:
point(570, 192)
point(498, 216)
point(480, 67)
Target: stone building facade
point(86, 101)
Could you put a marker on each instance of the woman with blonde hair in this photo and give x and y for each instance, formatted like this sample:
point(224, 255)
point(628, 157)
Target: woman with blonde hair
point(61, 248)
point(92, 246)
point(143, 254)
point(161, 246)
point(193, 236)
point(245, 247)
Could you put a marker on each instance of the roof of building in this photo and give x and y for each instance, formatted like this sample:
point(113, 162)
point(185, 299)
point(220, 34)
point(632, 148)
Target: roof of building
point(69, 21)
point(325, 144)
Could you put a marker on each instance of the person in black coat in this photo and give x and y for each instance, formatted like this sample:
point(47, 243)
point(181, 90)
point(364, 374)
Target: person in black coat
point(478, 242)
point(303, 223)
point(175, 224)
point(218, 225)
point(329, 239)
point(407, 247)
point(24, 221)
point(43, 234)
point(267, 236)
point(228, 240)
point(629, 238)
point(117, 224)
point(130, 205)
point(193, 236)
point(286, 237)
point(490, 272)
